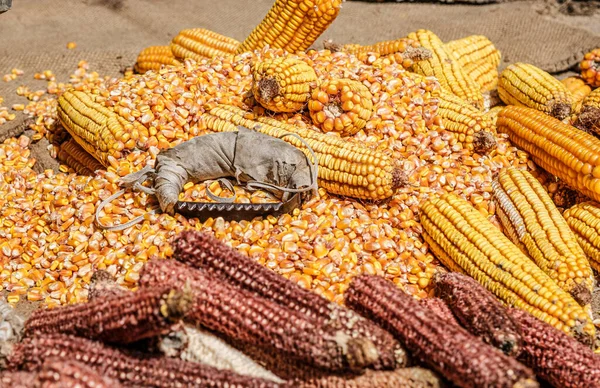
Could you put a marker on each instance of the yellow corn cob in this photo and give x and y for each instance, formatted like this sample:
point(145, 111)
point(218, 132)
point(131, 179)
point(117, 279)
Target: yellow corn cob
point(474, 49)
point(470, 242)
point(153, 58)
point(283, 84)
point(484, 74)
point(534, 224)
point(562, 150)
point(345, 168)
point(526, 85)
point(470, 126)
point(589, 118)
point(479, 59)
point(97, 129)
point(492, 114)
point(446, 69)
point(579, 90)
point(71, 154)
point(200, 43)
point(404, 52)
point(341, 105)
point(584, 221)
point(292, 25)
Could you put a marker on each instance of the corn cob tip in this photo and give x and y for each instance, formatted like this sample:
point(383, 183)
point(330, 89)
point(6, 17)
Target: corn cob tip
point(399, 179)
point(565, 197)
point(268, 88)
point(176, 305)
point(360, 352)
point(332, 46)
point(588, 120)
point(581, 294)
point(509, 344)
point(417, 53)
point(560, 110)
point(483, 142)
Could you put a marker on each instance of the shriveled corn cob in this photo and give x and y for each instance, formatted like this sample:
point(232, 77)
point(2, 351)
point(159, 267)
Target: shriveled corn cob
point(584, 221)
point(446, 69)
point(97, 129)
point(534, 224)
point(203, 251)
point(283, 84)
point(590, 68)
point(474, 49)
point(440, 308)
point(445, 348)
point(246, 317)
point(292, 25)
point(523, 84)
point(465, 241)
point(119, 319)
point(345, 168)
point(554, 356)
point(153, 58)
point(469, 125)
point(209, 349)
point(200, 43)
point(341, 105)
point(562, 150)
point(403, 377)
point(479, 311)
point(589, 116)
point(579, 90)
point(137, 370)
point(77, 158)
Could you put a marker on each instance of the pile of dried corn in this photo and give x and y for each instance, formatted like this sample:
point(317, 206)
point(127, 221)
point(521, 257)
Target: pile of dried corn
point(403, 121)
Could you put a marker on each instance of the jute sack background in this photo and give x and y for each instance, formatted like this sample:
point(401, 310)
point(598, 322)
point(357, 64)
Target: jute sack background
point(110, 33)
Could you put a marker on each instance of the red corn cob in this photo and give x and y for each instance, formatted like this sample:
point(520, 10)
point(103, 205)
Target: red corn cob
point(404, 377)
point(129, 370)
point(243, 316)
point(118, 319)
point(201, 250)
point(448, 349)
point(554, 356)
point(479, 311)
point(440, 308)
point(17, 379)
point(56, 373)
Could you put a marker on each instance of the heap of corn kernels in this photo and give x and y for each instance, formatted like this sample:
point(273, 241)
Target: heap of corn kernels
point(51, 244)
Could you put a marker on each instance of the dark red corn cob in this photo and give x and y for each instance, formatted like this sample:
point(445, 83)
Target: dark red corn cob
point(201, 250)
point(448, 349)
point(56, 373)
point(118, 319)
point(440, 308)
point(129, 370)
point(17, 379)
point(246, 317)
point(554, 356)
point(403, 377)
point(479, 311)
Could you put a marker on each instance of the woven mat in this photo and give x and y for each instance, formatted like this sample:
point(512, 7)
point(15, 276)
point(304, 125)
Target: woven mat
point(110, 33)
